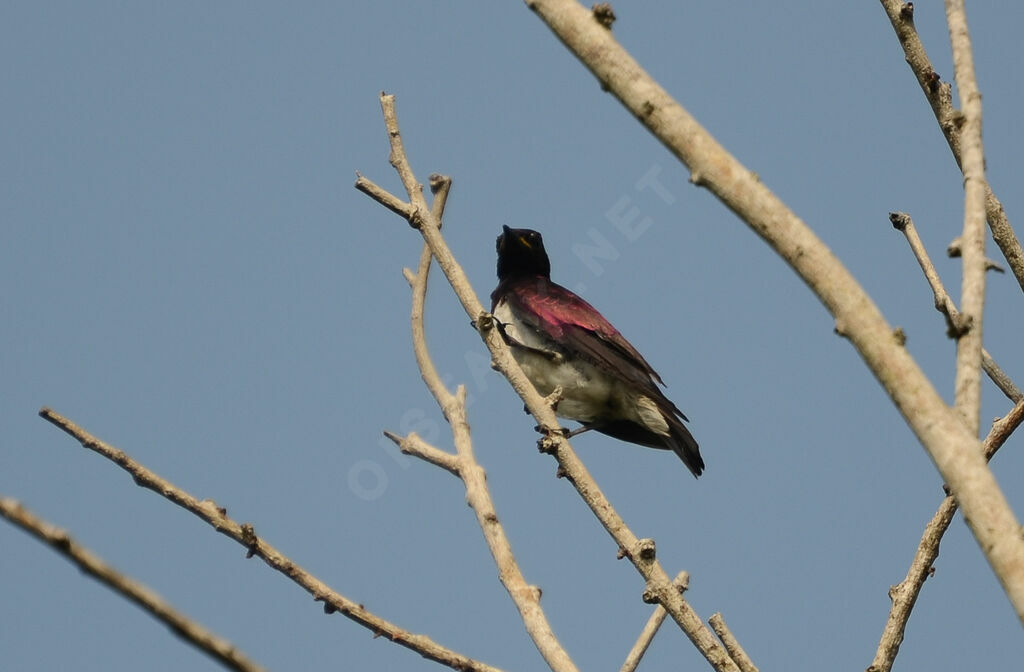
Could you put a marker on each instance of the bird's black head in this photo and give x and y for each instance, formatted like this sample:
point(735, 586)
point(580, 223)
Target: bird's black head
point(521, 252)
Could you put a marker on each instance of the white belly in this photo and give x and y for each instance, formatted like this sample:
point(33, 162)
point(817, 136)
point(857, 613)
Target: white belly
point(588, 392)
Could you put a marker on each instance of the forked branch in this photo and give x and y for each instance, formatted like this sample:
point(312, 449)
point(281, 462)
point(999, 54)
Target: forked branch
point(245, 535)
point(641, 552)
point(464, 465)
point(955, 451)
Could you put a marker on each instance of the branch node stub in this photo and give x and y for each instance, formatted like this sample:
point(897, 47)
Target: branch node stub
point(650, 594)
point(645, 550)
point(436, 181)
point(899, 220)
point(547, 445)
point(249, 539)
point(959, 327)
point(907, 12)
point(899, 335)
point(553, 398)
point(603, 14)
point(416, 219)
point(697, 179)
point(840, 328)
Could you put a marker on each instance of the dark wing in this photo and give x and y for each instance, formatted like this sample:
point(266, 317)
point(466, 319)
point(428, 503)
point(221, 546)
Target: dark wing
point(570, 321)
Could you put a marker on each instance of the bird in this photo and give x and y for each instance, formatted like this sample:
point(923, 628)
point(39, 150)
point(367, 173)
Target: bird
point(561, 341)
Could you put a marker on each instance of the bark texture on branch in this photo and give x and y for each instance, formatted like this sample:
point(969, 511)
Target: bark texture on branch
point(955, 451)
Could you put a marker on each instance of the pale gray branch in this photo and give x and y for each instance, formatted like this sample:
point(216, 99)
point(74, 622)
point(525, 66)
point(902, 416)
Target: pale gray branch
point(972, 241)
point(954, 450)
point(731, 644)
point(902, 222)
point(651, 628)
point(904, 595)
point(940, 98)
point(245, 535)
point(641, 553)
point(415, 446)
point(464, 464)
point(218, 648)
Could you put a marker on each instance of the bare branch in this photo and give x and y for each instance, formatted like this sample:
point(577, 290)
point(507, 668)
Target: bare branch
point(999, 377)
point(417, 447)
point(972, 300)
point(954, 450)
point(731, 644)
point(636, 653)
point(940, 98)
point(244, 534)
point(944, 303)
point(464, 464)
point(218, 648)
point(640, 551)
point(904, 595)
point(384, 197)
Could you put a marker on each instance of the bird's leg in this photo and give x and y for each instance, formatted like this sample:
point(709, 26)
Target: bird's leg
point(579, 430)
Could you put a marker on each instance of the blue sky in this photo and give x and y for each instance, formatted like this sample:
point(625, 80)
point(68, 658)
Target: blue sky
point(189, 274)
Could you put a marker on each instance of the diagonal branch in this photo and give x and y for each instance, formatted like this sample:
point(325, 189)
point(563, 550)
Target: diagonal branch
point(641, 552)
point(464, 464)
point(731, 644)
point(218, 648)
point(904, 595)
point(244, 534)
point(939, 96)
point(903, 223)
point(954, 450)
point(651, 628)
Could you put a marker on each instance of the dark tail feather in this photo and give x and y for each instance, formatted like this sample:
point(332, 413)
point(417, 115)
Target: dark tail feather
point(685, 446)
point(680, 441)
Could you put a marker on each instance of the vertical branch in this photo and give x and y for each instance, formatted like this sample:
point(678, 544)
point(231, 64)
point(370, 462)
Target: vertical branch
point(972, 301)
point(939, 96)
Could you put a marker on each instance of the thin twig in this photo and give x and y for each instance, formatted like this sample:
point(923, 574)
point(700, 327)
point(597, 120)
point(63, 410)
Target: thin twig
point(904, 595)
point(218, 648)
point(954, 450)
point(384, 197)
point(651, 628)
point(972, 245)
point(640, 551)
point(731, 644)
point(414, 445)
point(902, 222)
point(244, 534)
point(940, 98)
